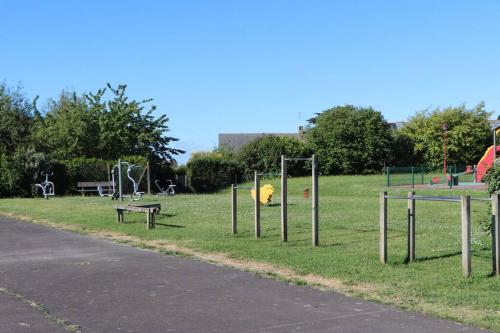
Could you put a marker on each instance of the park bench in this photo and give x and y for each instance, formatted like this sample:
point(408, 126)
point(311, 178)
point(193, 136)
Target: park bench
point(150, 209)
point(105, 187)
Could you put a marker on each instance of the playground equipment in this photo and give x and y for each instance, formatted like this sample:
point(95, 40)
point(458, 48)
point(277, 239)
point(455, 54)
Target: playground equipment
point(284, 203)
point(266, 193)
point(168, 191)
point(466, 220)
point(46, 186)
point(135, 194)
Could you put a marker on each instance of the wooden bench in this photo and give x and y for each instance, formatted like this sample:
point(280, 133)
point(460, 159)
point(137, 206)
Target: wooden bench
point(150, 209)
point(106, 187)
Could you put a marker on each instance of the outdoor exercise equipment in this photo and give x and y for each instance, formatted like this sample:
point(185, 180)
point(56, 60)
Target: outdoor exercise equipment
point(169, 190)
point(465, 201)
point(284, 195)
point(46, 186)
point(118, 193)
point(136, 194)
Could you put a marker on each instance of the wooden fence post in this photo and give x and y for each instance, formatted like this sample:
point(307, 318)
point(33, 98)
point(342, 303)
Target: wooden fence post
point(383, 227)
point(411, 227)
point(284, 205)
point(315, 202)
point(234, 208)
point(257, 205)
point(466, 235)
point(495, 233)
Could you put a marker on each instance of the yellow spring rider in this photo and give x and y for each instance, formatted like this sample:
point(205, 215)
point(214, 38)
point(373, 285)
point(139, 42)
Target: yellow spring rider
point(266, 193)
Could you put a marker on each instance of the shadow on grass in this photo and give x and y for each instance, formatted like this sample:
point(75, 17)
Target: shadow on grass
point(170, 225)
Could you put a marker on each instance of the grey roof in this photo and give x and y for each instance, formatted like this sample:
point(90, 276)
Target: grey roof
point(237, 140)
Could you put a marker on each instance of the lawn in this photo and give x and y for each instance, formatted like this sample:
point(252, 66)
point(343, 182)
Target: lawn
point(349, 238)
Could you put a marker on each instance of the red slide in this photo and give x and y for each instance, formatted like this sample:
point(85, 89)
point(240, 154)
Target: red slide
point(485, 163)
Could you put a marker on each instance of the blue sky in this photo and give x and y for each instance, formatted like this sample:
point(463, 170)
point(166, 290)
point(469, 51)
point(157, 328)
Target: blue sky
point(257, 66)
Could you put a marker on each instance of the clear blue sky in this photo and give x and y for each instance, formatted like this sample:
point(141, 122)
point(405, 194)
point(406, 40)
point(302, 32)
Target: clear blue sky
point(257, 66)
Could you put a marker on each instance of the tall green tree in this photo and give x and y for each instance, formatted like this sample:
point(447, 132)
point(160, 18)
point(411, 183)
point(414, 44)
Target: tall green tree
point(95, 125)
point(349, 140)
point(128, 127)
point(467, 136)
point(16, 118)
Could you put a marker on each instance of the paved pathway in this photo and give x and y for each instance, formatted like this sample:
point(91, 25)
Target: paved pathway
point(56, 281)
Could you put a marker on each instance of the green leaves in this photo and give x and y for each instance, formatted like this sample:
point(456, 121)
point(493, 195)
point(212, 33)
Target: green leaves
point(467, 136)
point(349, 140)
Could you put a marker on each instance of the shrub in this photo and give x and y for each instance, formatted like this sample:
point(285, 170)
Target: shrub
point(264, 155)
point(209, 172)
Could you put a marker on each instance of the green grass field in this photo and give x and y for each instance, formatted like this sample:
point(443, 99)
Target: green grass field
point(349, 238)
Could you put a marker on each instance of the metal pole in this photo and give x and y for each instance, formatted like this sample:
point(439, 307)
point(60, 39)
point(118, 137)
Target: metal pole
point(120, 193)
point(257, 204)
point(383, 227)
point(315, 202)
point(284, 207)
point(234, 208)
point(411, 227)
point(412, 177)
point(466, 236)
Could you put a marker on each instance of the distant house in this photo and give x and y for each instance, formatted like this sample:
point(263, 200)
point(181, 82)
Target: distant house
point(396, 125)
point(235, 141)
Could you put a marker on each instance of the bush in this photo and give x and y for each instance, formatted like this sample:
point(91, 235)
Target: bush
point(19, 172)
point(349, 140)
point(209, 172)
point(492, 179)
point(264, 155)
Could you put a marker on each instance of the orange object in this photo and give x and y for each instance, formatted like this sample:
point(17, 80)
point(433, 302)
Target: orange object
point(306, 193)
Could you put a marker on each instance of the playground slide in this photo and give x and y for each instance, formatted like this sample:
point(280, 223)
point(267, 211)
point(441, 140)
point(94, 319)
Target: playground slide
point(485, 163)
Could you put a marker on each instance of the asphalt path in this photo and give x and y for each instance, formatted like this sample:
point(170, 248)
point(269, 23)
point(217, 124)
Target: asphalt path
point(57, 281)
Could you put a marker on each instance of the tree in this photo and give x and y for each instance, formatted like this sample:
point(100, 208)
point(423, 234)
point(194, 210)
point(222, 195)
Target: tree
point(264, 155)
point(349, 140)
point(125, 128)
point(93, 126)
point(468, 135)
point(16, 115)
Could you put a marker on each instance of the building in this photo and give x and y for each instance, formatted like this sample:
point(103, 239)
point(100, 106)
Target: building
point(235, 141)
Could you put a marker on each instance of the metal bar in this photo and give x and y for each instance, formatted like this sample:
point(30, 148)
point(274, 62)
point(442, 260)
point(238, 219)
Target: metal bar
point(298, 159)
point(244, 187)
point(270, 174)
point(315, 203)
point(284, 207)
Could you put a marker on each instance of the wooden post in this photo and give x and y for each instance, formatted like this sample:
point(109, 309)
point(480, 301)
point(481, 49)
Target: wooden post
point(284, 206)
point(234, 209)
point(315, 208)
point(411, 227)
point(148, 177)
point(495, 233)
point(120, 193)
point(257, 204)
point(466, 236)
point(383, 227)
